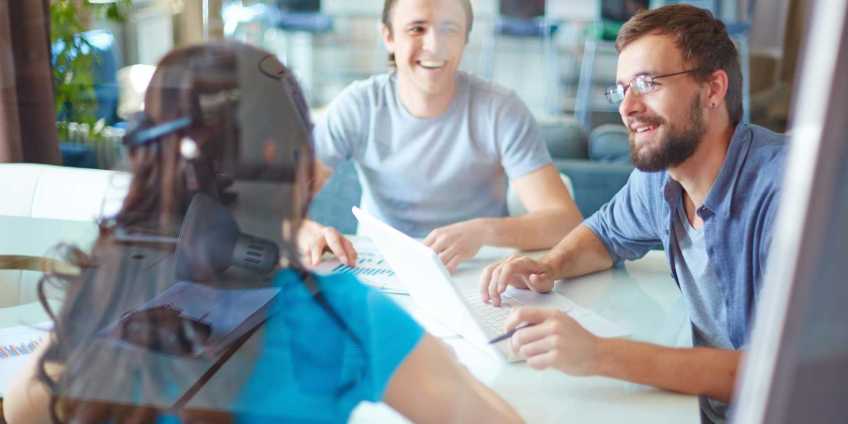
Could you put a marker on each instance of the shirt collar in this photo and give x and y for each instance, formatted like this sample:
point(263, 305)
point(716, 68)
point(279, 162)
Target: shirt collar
point(672, 190)
point(720, 198)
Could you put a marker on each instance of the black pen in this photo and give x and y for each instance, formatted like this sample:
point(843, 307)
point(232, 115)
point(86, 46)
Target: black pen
point(509, 333)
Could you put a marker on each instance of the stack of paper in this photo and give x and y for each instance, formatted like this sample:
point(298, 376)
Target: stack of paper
point(17, 345)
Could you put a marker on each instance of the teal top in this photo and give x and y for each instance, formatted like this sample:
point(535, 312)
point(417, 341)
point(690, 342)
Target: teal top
point(310, 369)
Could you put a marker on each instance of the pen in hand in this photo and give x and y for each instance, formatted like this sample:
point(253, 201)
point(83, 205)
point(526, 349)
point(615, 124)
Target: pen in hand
point(509, 333)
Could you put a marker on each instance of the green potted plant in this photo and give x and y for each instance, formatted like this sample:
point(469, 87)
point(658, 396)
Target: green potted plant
point(74, 59)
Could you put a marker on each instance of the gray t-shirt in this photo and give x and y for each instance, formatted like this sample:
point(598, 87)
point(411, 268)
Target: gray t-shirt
point(702, 293)
point(420, 174)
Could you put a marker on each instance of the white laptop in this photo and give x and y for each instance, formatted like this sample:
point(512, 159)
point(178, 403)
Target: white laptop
point(459, 306)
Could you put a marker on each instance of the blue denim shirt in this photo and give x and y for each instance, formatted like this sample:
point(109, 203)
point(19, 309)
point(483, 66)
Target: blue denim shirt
point(738, 214)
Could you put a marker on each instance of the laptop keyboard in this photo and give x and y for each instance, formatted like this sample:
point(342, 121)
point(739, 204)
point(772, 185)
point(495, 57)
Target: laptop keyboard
point(490, 317)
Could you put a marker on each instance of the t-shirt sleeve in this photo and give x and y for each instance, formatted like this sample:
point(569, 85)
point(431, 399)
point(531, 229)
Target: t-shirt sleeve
point(343, 126)
point(311, 366)
point(386, 333)
point(518, 138)
point(626, 224)
point(394, 334)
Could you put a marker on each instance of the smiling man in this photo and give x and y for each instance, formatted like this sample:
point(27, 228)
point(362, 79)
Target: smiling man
point(706, 187)
point(435, 147)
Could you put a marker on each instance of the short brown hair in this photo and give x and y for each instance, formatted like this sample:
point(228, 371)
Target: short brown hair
point(701, 38)
point(389, 5)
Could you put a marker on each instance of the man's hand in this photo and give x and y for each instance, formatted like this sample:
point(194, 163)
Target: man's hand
point(314, 238)
point(457, 242)
point(553, 340)
point(517, 271)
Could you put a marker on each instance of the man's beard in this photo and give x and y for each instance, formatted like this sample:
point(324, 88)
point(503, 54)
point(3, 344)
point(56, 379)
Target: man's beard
point(675, 147)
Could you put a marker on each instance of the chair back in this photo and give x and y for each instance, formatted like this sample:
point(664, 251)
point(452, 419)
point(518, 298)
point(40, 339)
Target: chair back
point(58, 192)
point(522, 9)
point(300, 6)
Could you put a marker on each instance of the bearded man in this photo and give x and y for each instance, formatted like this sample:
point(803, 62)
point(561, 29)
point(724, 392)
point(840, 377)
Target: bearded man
point(706, 187)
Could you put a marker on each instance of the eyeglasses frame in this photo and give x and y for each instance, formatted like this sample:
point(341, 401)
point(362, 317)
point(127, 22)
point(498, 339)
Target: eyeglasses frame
point(654, 84)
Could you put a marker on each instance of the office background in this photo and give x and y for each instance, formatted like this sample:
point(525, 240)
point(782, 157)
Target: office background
point(564, 49)
point(339, 43)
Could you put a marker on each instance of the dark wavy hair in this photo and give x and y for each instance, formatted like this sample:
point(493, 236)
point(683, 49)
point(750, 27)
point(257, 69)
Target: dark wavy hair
point(157, 199)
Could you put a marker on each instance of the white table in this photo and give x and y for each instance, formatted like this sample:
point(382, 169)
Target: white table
point(642, 297)
point(33, 237)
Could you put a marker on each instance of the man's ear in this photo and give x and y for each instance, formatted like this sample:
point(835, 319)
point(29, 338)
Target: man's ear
point(388, 37)
point(717, 85)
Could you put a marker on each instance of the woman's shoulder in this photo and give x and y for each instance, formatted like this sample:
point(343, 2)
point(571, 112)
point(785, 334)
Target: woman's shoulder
point(342, 290)
point(294, 281)
point(357, 303)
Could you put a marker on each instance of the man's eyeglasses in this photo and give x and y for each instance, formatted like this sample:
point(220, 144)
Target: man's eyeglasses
point(643, 84)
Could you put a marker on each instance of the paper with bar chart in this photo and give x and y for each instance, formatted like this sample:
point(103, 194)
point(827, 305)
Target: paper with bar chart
point(370, 268)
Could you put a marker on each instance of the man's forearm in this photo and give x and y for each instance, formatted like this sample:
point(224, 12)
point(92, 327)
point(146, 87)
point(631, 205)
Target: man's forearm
point(696, 371)
point(531, 231)
point(579, 253)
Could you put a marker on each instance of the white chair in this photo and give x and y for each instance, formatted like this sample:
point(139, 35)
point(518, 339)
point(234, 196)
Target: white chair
point(57, 192)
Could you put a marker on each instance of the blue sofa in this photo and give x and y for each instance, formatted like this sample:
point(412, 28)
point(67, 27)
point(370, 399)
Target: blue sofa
point(598, 164)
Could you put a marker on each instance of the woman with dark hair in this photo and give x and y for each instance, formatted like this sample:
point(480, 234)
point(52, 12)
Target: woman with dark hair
point(226, 134)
